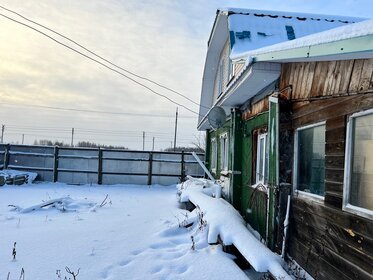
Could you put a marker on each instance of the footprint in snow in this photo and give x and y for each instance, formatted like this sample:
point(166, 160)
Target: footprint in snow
point(125, 262)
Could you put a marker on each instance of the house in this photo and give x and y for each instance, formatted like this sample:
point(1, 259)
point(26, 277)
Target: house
point(297, 92)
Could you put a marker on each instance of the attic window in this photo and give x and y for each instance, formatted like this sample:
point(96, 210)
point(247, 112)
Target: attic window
point(243, 35)
point(290, 32)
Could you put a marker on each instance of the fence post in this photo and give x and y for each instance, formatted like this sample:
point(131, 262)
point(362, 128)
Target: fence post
point(99, 171)
point(150, 168)
point(6, 156)
point(55, 165)
point(182, 178)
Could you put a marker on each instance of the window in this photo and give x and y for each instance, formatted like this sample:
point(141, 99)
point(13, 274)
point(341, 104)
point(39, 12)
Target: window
point(261, 158)
point(224, 152)
point(309, 161)
point(358, 188)
point(220, 77)
point(213, 154)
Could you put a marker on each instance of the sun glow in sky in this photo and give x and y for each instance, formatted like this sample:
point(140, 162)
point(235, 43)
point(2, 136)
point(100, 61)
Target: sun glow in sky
point(165, 41)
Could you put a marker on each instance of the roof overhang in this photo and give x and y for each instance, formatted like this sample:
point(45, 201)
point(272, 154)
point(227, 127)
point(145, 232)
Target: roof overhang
point(252, 81)
point(352, 48)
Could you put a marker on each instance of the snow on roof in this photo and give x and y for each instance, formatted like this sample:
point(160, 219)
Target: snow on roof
point(358, 29)
point(224, 221)
point(254, 29)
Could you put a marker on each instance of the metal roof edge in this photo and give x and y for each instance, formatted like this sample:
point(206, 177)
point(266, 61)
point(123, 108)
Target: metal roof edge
point(342, 48)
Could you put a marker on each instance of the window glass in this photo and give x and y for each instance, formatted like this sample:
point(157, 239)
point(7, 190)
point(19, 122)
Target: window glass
point(311, 160)
point(361, 184)
point(224, 152)
point(261, 158)
point(213, 154)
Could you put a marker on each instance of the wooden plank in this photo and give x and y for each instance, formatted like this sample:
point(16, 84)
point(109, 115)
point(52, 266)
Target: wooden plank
point(294, 79)
point(334, 161)
point(333, 199)
point(322, 226)
point(355, 223)
point(329, 78)
point(366, 75)
point(318, 105)
point(331, 186)
point(336, 80)
point(345, 74)
point(298, 83)
point(318, 82)
point(342, 106)
point(337, 122)
point(322, 241)
point(335, 149)
point(317, 267)
point(355, 76)
point(309, 78)
point(335, 135)
point(285, 75)
point(334, 175)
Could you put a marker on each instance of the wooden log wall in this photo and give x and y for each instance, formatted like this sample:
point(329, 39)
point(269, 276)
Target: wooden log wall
point(325, 240)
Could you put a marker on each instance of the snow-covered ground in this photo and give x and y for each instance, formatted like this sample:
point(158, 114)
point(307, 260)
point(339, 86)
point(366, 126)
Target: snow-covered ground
point(135, 235)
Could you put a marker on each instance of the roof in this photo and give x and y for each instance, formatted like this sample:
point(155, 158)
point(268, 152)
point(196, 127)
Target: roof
point(249, 30)
point(353, 38)
point(254, 29)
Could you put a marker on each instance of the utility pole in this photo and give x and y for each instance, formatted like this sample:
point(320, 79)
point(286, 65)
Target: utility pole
point(175, 130)
point(2, 133)
point(23, 138)
point(143, 140)
point(72, 137)
point(153, 144)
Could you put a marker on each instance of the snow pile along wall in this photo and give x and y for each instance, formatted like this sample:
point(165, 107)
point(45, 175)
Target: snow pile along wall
point(224, 221)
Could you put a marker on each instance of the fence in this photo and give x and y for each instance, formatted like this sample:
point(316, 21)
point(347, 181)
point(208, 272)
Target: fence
point(100, 166)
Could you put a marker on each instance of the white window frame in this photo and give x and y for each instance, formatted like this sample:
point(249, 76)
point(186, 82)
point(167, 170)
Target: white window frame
point(261, 136)
point(214, 154)
point(230, 69)
point(297, 192)
point(221, 77)
point(346, 206)
point(224, 151)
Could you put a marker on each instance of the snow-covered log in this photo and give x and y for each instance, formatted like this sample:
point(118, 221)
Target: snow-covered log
point(225, 221)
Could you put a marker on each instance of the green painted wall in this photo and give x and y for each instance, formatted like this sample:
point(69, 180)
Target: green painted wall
point(273, 120)
point(235, 156)
point(216, 134)
point(250, 199)
point(251, 203)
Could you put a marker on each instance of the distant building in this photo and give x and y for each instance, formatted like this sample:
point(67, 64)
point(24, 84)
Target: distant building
point(297, 90)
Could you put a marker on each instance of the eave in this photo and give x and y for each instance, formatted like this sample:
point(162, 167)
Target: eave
point(252, 80)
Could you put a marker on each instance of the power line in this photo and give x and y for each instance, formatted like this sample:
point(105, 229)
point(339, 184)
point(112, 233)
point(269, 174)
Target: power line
point(92, 111)
point(88, 131)
point(102, 58)
point(99, 62)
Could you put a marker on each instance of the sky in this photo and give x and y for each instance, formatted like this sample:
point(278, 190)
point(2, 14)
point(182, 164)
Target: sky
point(162, 40)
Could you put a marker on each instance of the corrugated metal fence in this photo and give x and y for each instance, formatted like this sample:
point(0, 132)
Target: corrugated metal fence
point(100, 166)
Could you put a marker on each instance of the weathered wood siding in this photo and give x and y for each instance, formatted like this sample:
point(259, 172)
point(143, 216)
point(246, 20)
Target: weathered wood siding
point(328, 242)
point(257, 108)
point(327, 78)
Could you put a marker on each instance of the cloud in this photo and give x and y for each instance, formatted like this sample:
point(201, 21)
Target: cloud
point(162, 40)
